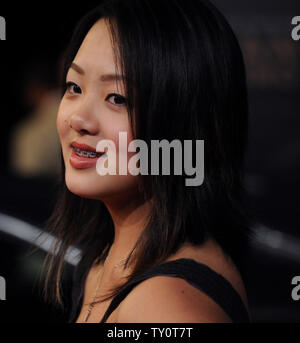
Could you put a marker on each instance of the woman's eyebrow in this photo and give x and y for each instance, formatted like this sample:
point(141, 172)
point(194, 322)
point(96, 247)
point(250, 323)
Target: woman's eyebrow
point(104, 77)
point(77, 68)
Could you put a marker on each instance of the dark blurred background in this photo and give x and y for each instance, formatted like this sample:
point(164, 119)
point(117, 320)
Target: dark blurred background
point(30, 58)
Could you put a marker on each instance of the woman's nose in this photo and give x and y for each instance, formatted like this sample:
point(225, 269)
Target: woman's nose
point(84, 124)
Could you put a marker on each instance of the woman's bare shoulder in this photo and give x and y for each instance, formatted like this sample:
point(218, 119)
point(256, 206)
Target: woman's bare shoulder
point(170, 299)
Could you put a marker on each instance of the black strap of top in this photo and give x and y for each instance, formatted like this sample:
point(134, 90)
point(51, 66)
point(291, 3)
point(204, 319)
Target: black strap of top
point(198, 275)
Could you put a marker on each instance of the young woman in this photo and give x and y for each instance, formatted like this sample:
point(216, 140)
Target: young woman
point(153, 248)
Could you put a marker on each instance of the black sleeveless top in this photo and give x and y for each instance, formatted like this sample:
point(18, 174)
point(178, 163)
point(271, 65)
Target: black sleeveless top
point(197, 274)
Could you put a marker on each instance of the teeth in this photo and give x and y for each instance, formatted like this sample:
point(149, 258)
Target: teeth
point(83, 153)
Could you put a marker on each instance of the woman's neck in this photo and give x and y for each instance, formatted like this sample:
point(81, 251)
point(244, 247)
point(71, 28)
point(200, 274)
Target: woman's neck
point(129, 220)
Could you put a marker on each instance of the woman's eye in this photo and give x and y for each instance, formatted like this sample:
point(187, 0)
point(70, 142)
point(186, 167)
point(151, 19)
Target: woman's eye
point(72, 88)
point(118, 100)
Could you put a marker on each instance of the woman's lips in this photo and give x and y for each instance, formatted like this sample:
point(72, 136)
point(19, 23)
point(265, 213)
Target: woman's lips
point(77, 160)
point(82, 146)
point(81, 162)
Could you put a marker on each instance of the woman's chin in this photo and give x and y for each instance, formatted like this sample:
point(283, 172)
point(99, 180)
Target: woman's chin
point(86, 189)
point(93, 186)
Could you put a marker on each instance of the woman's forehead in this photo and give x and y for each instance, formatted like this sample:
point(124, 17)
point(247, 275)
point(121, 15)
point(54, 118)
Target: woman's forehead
point(96, 41)
point(96, 55)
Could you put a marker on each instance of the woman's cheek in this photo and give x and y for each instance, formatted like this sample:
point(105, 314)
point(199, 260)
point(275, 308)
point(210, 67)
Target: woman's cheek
point(61, 122)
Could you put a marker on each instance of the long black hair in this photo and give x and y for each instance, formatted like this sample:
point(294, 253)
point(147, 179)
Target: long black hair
point(184, 78)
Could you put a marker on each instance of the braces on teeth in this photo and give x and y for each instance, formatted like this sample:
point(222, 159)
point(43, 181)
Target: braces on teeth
point(83, 153)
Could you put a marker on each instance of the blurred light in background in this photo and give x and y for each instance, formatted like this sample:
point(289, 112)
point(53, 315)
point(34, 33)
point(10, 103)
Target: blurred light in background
point(34, 236)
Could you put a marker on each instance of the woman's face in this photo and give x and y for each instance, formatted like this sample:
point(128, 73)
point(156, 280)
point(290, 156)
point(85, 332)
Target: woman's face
point(91, 110)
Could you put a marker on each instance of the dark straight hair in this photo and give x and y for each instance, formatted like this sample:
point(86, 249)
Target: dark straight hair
point(184, 78)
